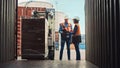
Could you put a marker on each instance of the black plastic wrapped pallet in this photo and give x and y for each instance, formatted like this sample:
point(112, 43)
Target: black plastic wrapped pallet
point(33, 38)
point(7, 30)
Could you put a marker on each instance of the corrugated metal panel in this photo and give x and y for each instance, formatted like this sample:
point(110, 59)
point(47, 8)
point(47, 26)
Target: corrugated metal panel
point(117, 58)
point(103, 33)
point(111, 43)
point(7, 30)
point(119, 31)
point(108, 34)
point(0, 30)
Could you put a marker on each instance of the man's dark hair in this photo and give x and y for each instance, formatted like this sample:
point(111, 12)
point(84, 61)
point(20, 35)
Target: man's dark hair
point(76, 21)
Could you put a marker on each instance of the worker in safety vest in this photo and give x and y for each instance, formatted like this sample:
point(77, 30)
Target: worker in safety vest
point(65, 31)
point(76, 38)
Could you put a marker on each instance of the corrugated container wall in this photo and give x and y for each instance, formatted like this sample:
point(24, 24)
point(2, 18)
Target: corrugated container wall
point(103, 32)
point(7, 30)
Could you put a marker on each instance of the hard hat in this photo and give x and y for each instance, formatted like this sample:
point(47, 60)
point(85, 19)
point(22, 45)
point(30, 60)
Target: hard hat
point(66, 17)
point(76, 18)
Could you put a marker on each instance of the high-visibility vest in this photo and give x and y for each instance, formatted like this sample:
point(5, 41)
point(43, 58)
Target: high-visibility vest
point(78, 30)
point(68, 28)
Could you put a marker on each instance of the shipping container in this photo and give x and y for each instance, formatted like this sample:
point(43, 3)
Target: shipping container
point(102, 32)
point(7, 30)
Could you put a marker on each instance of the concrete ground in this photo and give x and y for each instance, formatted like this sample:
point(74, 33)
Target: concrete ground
point(72, 51)
point(73, 54)
point(51, 63)
point(47, 64)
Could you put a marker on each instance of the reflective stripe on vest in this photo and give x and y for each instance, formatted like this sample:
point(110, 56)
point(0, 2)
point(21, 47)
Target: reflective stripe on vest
point(68, 28)
point(78, 30)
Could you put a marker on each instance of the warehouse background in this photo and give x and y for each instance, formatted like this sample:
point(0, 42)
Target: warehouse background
point(25, 10)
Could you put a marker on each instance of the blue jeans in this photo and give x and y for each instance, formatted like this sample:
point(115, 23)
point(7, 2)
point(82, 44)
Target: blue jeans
point(62, 48)
point(57, 45)
point(76, 44)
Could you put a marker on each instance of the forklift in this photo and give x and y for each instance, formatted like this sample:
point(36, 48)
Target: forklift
point(38, 35)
